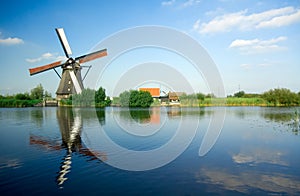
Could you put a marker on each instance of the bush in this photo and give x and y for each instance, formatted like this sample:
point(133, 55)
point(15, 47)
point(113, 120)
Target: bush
point(85, 99)
point(239, 94)
point(22, 96)
point(281, 96)
point(18, 103)
point(134, 98)
point(88, 98)
point(124, 98)
point(37, 92)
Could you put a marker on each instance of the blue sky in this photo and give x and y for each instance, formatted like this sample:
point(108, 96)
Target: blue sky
point(255, 44)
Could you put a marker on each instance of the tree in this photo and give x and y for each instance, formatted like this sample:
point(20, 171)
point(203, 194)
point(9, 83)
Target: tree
point(239, 94)
point(144, 99)
point(37, 92)
point(124, 98)
point(200, 96)
point(134, 98)
point(100, 95)
point(281, 96)
point(22, 96)
point(47, 94)
point(210, 95)
point(107, 101)
point(85, 99)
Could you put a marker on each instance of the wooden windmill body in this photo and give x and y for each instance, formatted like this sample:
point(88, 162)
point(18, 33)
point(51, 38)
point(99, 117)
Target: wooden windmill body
point(70, 80)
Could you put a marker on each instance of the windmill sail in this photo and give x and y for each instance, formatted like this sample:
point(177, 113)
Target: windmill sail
point(43, 68)
point(71, 80)
point(64, 42)
point(91, 56)
point(76, 84)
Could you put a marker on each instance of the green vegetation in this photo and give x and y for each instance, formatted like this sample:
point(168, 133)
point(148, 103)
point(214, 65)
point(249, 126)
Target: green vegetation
point(281, 97)
point(124, 98)
point(244, 101)
point(134, 98)
point(25, 99)
point(88, 98)
point(37, 92)
point(274, 97)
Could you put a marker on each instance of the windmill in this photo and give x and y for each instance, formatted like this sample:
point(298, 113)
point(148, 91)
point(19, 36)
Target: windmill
point(70, 79)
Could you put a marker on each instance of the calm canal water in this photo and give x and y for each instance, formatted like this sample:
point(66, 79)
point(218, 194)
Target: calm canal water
point(47, 151)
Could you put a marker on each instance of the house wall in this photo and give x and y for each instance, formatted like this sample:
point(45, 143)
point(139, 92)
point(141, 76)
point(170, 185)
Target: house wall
point(155, 92)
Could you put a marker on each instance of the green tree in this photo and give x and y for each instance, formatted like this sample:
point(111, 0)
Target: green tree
point(200, 96)
point(100, 95)
point(107, 101)
point(85, 99)
point(281, 96)
point(47, 94)
point(124, 98)
point(37, 92)
point(134, 98)
point(210, 95)
point(144, 99)
point(22, 96)
point(239, 94)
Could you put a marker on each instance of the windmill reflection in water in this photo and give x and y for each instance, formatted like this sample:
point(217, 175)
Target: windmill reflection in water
point(70, 124)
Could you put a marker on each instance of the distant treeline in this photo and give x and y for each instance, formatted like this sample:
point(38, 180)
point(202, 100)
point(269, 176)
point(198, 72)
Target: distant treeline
point(26, 99)
point(92, 98)
point(134, 98)
point(88, 98)
point(273, 97)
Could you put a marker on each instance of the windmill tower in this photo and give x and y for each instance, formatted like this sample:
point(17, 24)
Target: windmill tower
point(70, 79)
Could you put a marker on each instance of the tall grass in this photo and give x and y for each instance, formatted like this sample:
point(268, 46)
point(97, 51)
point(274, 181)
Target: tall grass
point(230, 101)
point(18, 103)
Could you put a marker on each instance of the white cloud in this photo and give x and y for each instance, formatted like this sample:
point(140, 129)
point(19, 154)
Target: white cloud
point(196, 24)
point(46, 56)
point(246, 66)
point(243, 21)
point(281, 20)
point(180, 5)
point(189, 3)
point(11, 41)
point(255, 46)
point(265, 63)
point(168, 3)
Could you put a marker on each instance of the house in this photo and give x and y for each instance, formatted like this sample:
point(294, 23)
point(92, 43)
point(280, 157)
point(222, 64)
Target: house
point(155, 92)
point(174, 96)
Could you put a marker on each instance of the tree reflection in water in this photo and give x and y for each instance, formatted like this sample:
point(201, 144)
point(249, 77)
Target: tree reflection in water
point(289, 120)
point(141, 115)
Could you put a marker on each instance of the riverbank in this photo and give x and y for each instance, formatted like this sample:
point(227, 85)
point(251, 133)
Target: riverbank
point(232, 101)
point(16, 103)
point(208, 102)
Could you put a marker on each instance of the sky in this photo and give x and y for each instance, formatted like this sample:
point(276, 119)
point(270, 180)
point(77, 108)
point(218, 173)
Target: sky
point(254, 44)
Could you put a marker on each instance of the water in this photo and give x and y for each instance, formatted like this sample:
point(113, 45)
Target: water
point(119, 151)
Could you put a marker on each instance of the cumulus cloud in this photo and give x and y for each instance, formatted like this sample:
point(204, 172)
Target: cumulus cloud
point(11, 41)
point(243, 21)
point(46, 56)
point(254, 46)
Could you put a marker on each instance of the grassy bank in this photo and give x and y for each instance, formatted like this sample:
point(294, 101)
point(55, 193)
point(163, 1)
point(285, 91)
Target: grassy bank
point(231, 101)
point(8, 103)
